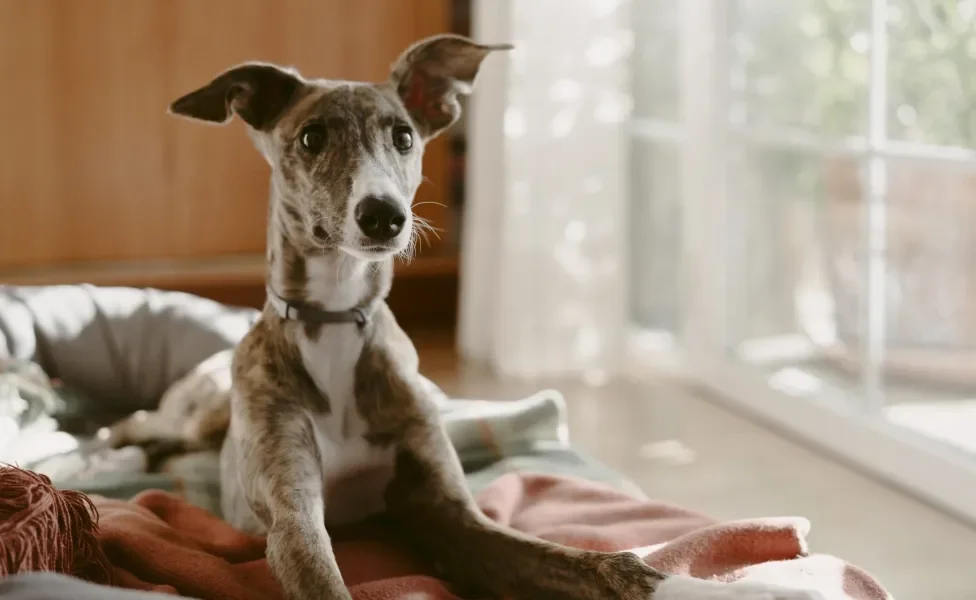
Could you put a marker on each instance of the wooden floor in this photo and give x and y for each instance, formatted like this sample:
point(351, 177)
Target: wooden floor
point(681, 448)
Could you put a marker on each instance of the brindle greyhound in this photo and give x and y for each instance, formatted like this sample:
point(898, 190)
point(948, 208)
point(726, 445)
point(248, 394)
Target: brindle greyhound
point(330, 421)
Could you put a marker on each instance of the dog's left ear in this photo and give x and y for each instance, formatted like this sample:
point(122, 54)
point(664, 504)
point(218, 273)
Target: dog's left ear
point(429, 75)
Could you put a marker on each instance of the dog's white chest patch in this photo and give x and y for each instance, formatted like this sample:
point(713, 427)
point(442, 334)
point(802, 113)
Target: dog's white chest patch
point(356, 472)
point(330, 360)
point(356, 475)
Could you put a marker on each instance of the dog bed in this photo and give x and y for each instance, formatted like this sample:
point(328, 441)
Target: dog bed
point(113, 351)
point(108, 352)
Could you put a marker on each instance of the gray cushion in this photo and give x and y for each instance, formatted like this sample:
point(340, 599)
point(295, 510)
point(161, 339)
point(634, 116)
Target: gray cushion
point(52, 586)
point(124, 346)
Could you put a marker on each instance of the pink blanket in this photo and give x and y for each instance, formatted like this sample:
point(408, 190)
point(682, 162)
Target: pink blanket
point(159, 542)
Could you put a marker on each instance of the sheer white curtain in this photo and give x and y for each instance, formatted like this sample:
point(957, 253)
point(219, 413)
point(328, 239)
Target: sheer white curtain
point(544, 254)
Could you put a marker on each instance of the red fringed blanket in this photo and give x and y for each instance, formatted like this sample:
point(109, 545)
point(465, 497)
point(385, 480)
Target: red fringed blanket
point(159, 542)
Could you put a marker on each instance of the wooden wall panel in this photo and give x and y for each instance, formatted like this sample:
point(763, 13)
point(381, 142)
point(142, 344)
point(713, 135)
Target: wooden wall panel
point(218, 182)
point(91, 166)
point(81, 159)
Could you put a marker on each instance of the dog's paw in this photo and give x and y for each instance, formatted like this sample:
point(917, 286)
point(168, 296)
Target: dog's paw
point(689, 588)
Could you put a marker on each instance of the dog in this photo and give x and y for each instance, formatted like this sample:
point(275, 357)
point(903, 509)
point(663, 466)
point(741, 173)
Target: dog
point(330, 421)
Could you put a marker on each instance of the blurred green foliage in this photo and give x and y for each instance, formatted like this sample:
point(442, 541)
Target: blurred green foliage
point(805, 63)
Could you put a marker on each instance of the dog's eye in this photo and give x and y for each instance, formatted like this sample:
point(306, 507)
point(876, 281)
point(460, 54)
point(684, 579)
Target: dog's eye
point(402, 138)
point(313, 138)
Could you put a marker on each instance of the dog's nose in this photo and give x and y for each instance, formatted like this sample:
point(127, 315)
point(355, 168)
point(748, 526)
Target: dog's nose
point(379, 217)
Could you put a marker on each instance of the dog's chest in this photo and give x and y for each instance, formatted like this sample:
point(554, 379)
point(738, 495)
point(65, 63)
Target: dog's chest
point(355, 471)
point(356, 475)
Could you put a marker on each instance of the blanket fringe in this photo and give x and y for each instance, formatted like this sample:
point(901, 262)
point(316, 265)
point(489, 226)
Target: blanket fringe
point(43, 528)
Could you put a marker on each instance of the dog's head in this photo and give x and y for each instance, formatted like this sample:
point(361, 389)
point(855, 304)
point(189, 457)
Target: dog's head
point(346, 157)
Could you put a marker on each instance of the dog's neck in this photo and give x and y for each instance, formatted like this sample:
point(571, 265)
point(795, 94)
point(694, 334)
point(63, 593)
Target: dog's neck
point(329, 279)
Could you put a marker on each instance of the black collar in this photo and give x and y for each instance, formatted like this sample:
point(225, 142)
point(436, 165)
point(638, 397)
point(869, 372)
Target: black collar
point(293, 311)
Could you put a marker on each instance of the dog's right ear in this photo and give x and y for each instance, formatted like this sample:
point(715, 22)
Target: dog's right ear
point(257, 92)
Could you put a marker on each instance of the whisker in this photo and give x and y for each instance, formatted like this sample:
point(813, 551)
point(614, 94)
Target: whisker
point(413, 245)
point(435, 230)
point(422, 221)
point(425, 227)
point(419, 239)
point(406, 255)
point(419, 236)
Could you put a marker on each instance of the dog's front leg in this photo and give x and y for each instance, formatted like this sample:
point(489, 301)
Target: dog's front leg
point(300, 553)
point(286, 494)
point(431, 503)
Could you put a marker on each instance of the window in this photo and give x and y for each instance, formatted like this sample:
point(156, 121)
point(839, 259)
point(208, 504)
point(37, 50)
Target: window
point(804, 194)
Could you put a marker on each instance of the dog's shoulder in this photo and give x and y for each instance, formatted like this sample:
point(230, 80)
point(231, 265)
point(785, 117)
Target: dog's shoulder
point(390, 392)
point(388, 346)
point(268, 369)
